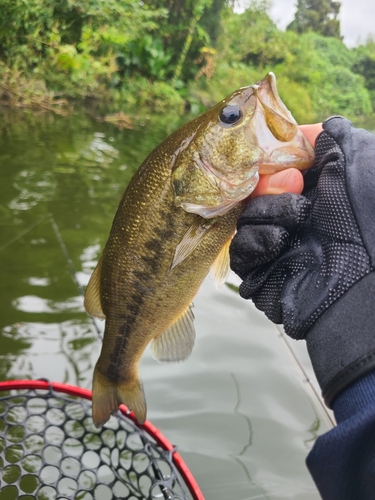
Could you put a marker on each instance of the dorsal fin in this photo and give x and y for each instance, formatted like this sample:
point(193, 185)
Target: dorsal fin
point(92, 302)
point(221, 266)
point(176, 343)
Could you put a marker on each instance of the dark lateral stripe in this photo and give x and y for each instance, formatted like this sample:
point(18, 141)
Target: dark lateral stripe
point(115, 371)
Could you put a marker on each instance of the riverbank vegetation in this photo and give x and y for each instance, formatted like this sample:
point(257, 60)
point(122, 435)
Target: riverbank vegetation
point(174, 55)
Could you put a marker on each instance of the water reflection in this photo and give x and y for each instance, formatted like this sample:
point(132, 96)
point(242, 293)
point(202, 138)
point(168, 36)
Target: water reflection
point(56, 351)
point(258, 492)
point(34, 281)
point(75, 170)
point(89, 258)
point(34, 304)
point(33, 189)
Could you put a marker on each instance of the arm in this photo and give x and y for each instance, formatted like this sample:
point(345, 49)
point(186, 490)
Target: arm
point(308, 262)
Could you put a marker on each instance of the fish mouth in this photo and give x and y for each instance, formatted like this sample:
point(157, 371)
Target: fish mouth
point(279, 119)
point(277, 132)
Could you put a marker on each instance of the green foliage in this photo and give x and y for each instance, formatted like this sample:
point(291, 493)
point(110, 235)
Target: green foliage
point(316, 74)
point(364, 64)
point(260, 42)
point(156, 95)
point(165, 54)
point(189, 27)
point(323, 65)
point(298, 99)
point(145, 56)
point(319, 16)
point(341, 92)
point(74, 44)
point(79, 48)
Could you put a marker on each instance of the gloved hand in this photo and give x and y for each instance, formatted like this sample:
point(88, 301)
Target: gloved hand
point(308, 260)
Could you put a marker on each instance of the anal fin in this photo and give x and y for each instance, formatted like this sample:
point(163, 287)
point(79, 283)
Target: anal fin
point(177, 342)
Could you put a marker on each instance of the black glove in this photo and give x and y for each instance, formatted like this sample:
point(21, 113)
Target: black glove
point(308, 261)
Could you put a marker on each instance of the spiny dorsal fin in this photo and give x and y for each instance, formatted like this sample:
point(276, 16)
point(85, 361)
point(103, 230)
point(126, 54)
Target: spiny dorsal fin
point(221, 267)
point(92, 296)
point(191, 239)
point(176, 343)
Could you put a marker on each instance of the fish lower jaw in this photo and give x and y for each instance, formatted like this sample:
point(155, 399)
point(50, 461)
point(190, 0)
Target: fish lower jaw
point(271, 167)
point(288, 156)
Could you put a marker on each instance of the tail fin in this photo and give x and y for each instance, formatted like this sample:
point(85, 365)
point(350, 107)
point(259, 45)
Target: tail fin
point(107, 396)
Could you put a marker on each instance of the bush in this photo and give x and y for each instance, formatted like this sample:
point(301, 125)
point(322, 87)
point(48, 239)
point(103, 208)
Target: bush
point(159, 96)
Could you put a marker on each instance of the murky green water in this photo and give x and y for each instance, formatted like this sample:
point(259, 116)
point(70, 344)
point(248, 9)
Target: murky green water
point(238, 409)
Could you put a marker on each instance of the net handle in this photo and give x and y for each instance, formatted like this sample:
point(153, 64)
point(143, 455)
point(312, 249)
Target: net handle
point(147, 425)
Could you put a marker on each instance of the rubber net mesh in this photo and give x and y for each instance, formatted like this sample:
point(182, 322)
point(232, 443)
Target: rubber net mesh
point(50, 449)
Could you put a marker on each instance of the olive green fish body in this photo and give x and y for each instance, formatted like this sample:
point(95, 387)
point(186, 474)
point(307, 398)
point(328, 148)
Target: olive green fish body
point(174, 222)
point(140, 295)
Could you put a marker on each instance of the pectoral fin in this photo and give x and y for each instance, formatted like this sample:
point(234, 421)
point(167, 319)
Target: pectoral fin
point(221, 267)
point(191, 239)
point(176, 343)
point(92, 296)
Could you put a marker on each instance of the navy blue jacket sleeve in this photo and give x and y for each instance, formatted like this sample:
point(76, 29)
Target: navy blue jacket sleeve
point(342, 461)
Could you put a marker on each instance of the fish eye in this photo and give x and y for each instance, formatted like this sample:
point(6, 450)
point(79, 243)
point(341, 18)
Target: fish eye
point(230, 114)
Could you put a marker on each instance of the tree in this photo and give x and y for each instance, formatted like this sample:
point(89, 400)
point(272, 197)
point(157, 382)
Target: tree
point(190, 27)
point(320, 16)
point(364, 64)
point(76, 41)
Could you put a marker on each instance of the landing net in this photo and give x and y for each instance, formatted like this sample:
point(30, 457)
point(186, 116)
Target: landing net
point(50, 449)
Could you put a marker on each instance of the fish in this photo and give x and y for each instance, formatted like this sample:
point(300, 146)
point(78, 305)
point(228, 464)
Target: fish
point(174, 223)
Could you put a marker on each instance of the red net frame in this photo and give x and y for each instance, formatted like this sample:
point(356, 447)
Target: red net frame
point(147, 426)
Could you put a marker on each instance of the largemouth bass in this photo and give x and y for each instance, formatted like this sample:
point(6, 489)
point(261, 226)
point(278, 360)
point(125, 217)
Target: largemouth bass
point(174, 222)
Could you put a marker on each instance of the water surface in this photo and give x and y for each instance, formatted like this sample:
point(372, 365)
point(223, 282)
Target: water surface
point(239, 409)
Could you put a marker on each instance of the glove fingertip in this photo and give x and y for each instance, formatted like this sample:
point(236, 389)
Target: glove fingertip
point(262, 298)
point(287, 209)
point(253, 246)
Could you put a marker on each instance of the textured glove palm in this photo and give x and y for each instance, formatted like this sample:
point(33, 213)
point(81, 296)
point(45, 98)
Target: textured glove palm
point(308, 261)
